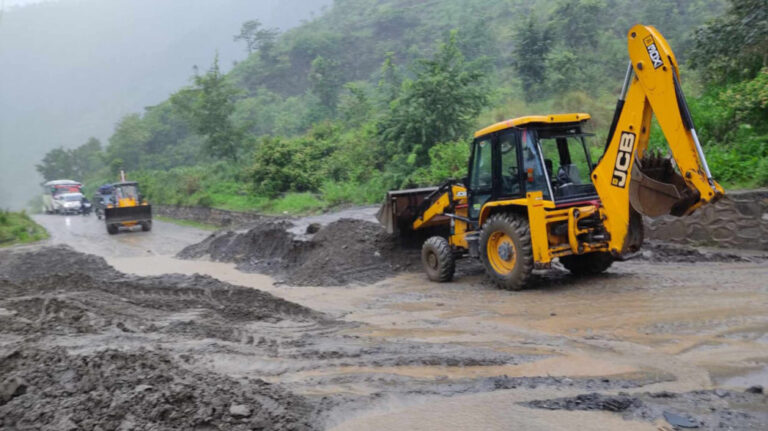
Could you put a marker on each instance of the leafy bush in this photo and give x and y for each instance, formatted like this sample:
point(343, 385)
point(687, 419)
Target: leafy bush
point(446, 161)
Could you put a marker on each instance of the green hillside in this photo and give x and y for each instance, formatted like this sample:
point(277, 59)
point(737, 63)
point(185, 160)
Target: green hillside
point(18, 228)
point(379, 94)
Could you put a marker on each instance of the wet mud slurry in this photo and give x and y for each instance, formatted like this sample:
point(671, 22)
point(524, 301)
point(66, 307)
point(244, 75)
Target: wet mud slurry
point(676, 333)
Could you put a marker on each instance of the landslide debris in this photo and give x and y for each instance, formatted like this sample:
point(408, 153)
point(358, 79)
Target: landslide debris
point(145, 389)
point(83, 346)
point(707, 409)
point(26, 263)
point(342, 252)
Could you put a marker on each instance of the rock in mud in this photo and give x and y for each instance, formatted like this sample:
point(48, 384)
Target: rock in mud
point(239, 410)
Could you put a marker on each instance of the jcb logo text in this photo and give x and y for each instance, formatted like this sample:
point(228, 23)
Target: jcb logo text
point(623, 159)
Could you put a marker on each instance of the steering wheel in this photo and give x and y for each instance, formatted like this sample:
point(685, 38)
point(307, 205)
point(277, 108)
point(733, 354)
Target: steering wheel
point(511, 181)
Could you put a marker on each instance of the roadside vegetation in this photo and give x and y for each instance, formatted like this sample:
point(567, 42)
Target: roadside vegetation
point(381, 94)
point(190, 223)
point(18, 228)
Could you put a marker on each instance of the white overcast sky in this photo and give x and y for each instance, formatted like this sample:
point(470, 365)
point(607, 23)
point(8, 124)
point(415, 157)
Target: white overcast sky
point(9, 3)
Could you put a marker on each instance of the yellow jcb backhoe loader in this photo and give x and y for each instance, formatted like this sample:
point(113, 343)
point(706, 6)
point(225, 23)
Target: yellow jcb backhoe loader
point(127, 208)
point(534, 194)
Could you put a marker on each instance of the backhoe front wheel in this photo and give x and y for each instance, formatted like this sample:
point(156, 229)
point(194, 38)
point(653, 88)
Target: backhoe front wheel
point(112, 229)
point(438, 259)
point(505, 249)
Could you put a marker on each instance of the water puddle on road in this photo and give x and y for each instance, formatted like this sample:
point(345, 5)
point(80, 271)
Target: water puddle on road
point(754, 377)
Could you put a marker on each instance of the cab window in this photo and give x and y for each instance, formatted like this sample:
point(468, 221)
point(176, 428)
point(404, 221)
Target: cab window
point(481, 177)
point(510, 167)
point(568, 164)
point(533, 171)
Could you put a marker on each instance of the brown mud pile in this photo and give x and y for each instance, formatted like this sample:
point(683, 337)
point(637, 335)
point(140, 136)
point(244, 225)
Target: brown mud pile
point(83, 345)
point(23, 263)
point(717, 409)
point(342, 252)
point(147, 389)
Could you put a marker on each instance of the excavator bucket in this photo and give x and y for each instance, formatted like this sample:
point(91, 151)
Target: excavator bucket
point(401, 208)
point(656, 189)
point(137, 214)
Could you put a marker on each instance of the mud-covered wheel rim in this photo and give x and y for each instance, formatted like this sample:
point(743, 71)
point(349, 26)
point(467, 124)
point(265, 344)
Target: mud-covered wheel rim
point(432, 261)
point(502, 253)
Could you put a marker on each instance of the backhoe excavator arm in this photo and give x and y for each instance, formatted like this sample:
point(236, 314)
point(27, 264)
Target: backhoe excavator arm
point(631, 182)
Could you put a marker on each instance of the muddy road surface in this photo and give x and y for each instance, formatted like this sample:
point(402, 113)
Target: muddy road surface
point(89, 235)
point(676, 339)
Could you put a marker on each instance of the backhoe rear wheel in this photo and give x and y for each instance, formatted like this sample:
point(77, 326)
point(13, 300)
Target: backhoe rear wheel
point(112, 229)
point(505, 249)
point(438, 259)
point(587, 264)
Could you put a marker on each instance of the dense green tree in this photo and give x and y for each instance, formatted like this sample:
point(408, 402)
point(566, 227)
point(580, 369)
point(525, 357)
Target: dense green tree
point(282, 165)
point(257, 38)
point(439, 105)
point(74, 164)
point(209, 105)
point(87, 158)
point(325, 82)
point(734, 46)
point(56, 164)
point(355, 107)
point(128, 141)
point(532, 45)
point(390, 79)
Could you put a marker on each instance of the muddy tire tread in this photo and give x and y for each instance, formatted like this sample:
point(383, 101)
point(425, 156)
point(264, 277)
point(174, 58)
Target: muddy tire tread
point(446, 260)
point(519, 226)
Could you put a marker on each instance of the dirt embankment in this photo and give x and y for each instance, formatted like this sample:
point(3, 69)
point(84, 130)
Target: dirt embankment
point(82, 345)
point(342, 252)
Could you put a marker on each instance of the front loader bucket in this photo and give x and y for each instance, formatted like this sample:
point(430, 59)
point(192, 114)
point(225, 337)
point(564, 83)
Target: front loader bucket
point(401, 208)
point(137, 214)
point(657, 189)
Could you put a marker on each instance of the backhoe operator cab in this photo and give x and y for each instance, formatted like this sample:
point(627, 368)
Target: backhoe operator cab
point(529, 154)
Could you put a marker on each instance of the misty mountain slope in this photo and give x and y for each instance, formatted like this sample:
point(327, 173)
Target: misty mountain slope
point(71, 69)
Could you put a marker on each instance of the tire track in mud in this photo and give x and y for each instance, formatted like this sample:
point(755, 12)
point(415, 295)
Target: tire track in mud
point(83, 344)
